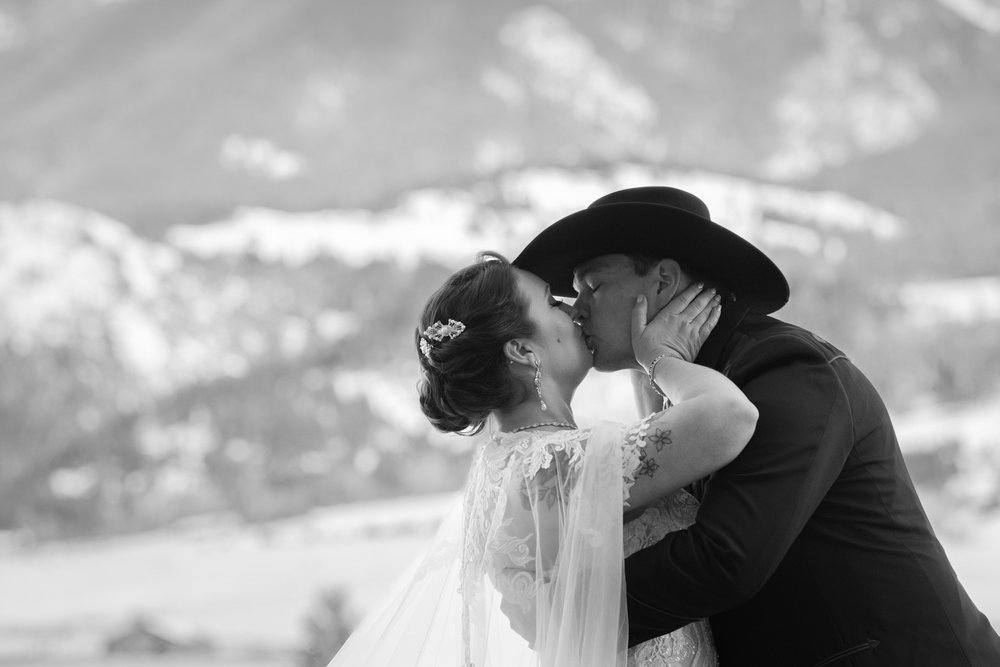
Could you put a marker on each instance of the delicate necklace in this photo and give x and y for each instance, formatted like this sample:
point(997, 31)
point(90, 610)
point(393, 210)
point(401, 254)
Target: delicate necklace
point(540, 424)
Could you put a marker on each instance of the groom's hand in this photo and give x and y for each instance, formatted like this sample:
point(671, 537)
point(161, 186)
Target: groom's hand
point(679, 329)
point(521, 618)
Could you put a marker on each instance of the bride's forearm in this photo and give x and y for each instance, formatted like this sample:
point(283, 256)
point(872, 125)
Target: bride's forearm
point(681, 381)
point(647, 401)
point(708, 426)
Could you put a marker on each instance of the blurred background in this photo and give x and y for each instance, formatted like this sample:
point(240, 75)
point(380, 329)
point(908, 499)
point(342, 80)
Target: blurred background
point(219, 221)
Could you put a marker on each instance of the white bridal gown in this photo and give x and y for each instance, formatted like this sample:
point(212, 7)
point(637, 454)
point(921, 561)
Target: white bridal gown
point(691, 645)
point(529, 570)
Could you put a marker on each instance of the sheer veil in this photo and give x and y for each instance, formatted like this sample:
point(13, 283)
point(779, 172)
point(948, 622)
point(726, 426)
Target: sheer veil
point(526, 570)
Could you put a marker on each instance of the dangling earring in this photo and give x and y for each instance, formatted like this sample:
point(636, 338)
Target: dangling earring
point(538, 385)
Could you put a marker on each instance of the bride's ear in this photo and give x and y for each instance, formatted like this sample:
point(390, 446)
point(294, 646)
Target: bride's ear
point(518, 351)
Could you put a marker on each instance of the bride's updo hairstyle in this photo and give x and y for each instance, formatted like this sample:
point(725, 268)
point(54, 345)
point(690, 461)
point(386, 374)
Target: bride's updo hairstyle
point(467, 376)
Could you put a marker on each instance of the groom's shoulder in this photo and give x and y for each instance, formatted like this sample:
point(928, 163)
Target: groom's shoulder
point(760, 338)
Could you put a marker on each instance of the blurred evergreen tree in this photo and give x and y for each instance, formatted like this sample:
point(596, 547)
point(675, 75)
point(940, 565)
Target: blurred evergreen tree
point(327, 628)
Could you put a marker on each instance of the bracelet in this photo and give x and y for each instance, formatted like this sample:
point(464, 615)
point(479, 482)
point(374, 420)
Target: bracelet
point(652, 383)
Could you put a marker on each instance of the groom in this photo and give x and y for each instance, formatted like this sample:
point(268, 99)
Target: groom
point(811, 548)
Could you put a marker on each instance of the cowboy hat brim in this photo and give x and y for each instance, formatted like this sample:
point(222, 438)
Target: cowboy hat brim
point(659, 231)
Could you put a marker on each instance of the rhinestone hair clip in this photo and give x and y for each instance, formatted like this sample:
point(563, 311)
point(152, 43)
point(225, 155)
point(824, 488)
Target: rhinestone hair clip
point(438, 332)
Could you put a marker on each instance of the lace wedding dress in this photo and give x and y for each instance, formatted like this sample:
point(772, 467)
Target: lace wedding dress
point(529, 570)
point(691, 645)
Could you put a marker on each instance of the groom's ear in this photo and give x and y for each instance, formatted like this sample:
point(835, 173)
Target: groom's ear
point(668, 275)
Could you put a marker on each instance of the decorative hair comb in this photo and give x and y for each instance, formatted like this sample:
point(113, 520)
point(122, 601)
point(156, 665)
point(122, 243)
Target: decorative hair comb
point(438, 332)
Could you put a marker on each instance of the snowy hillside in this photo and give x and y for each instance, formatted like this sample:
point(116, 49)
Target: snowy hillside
point(264, 363)
point(449, 226)
point(309, 106)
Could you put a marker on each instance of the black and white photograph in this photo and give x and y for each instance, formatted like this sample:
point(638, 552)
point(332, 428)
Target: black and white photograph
point(656, 333)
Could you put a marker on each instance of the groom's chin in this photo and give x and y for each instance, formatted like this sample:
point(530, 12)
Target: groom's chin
point(603, 365)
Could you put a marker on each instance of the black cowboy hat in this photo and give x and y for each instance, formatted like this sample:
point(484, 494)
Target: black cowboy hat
point(660, 222)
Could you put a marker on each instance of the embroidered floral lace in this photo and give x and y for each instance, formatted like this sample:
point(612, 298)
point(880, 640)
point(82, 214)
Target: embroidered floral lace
point(528, 570)
point(510, 554)
point(692, 644)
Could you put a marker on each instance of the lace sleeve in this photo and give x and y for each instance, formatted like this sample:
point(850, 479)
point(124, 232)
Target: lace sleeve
point(633, 454)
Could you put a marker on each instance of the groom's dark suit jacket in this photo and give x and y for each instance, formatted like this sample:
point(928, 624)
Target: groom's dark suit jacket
point(811, 548)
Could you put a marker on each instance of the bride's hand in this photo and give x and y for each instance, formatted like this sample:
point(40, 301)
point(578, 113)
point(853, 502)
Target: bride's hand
point(679, 329)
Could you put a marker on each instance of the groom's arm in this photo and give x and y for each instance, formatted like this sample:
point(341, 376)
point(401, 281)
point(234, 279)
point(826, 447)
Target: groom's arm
point(754, 508)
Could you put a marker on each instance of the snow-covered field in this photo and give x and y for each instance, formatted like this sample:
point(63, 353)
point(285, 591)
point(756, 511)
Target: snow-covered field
point(251, 588)
point(243, 587)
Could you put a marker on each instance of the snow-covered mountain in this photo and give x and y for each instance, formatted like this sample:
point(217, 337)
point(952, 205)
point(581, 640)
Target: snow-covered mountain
point(158, 113)
point(264, 363)
point(219, 220)
point(450, 225)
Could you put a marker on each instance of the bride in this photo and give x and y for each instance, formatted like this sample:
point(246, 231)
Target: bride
point(528, 568)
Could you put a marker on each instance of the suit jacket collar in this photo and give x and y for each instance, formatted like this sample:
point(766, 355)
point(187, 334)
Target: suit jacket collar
point(732, 316)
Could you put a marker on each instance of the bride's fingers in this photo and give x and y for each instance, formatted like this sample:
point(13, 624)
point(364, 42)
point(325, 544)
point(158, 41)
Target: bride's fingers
point(698, 317)
point(681, 301)
point(698, 305)
point(714, 313)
